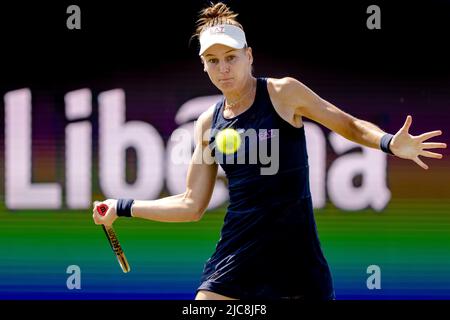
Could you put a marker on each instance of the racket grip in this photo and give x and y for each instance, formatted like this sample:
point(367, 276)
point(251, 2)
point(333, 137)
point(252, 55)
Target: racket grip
point(113, 240)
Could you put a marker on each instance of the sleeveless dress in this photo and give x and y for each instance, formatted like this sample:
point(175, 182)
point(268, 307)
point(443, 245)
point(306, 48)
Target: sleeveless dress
point(268, 246)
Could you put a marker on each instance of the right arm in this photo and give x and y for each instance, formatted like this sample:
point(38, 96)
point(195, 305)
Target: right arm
point(192, 203)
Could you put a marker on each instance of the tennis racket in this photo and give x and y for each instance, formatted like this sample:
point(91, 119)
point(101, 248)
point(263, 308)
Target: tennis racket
point(113, 240)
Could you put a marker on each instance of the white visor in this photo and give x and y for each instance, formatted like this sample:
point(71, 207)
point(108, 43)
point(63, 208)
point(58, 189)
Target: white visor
point(225, 34)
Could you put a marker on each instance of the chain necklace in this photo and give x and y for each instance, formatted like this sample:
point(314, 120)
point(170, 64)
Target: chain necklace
point(229, 105)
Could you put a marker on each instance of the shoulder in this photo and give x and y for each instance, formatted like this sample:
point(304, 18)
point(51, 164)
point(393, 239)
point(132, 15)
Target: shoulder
point(286, 96)
point(280, 83)
point(292, 99)
point(292, 94)
point(284, 87)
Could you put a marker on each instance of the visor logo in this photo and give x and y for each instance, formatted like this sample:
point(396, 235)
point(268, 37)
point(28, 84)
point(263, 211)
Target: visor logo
point(219, 29)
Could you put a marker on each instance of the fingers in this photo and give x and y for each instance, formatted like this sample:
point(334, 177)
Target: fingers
point(95, 218)
point(109, 216)
point(431, 154)
point(95, 215)
point(429, 135)
point(407, 123)
point(433, 145)
point(420, 163)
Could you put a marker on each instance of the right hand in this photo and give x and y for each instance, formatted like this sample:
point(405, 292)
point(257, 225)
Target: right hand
point(110, 216)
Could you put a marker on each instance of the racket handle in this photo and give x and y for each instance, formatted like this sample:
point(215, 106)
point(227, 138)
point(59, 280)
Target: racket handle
point(117, 248)
point(113, 240)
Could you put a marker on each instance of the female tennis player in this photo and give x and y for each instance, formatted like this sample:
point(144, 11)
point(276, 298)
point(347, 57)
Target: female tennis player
point(269, 246)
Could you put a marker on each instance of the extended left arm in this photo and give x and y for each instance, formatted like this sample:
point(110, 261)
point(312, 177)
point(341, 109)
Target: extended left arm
point(305, 102)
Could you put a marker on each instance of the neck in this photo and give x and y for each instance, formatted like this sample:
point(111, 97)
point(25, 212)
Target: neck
point(233, 99)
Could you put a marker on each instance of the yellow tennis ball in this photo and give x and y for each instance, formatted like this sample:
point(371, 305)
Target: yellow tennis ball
point(228, 141)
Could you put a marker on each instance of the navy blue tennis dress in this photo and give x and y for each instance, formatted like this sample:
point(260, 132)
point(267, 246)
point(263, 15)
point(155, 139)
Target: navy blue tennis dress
point(268, 246)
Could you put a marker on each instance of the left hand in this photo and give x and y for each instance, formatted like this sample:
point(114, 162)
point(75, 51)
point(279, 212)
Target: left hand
point(407, 146)
point(110, 215)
